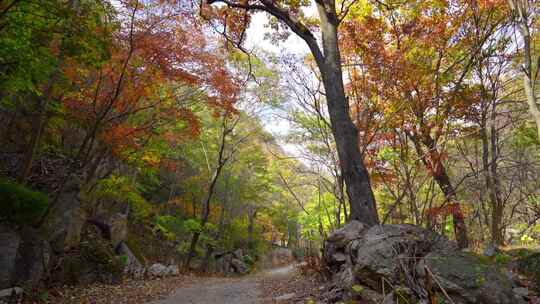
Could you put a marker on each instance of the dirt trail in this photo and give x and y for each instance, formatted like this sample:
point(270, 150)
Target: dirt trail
point(246, 290)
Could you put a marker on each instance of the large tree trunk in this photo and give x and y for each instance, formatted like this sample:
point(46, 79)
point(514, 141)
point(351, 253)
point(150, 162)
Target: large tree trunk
point(361, 199)
point(328, 60)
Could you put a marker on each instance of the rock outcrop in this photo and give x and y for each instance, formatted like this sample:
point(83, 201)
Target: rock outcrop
point(231, 262)
point(411, 262)
point(94, 261)
point(11, 295)
point(9, 242)
point(132, 266)
point(25, 258)
point(65, 222)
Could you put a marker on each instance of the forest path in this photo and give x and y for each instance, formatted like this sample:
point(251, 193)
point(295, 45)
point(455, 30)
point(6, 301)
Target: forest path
point(245, 290)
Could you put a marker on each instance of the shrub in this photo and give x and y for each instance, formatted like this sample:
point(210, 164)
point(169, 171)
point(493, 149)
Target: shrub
point(169, 226)
point(21, 205)
point(121, 189)
point(248, 260)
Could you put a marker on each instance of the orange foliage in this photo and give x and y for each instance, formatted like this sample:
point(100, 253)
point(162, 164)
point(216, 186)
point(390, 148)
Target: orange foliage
point(406, 69)
point(156, 71)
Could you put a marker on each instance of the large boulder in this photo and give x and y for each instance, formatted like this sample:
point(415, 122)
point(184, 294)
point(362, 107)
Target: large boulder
point(33, 258)
point(118, 224)
point(11, 295)
point(468, 279)
point(239, 266)
point(229, 263)
point(157, 270)
point(25, 257)
point(381, 251)
point(173, 270)
point(65, 222)
point(238, 253)
point(160, 270)
point(336, 246)
point(94, 261)
point(9, 246)
point(405, 257)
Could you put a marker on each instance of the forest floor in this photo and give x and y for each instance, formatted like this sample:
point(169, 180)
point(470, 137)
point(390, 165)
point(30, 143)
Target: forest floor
point(282, 285)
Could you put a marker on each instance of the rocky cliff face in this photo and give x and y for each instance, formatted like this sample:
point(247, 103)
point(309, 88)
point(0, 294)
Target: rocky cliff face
point(383, 263)
point(25, 258)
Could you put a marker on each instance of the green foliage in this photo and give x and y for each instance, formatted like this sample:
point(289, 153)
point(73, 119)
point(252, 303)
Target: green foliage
point(21, 205)
point(248, 260)
point(123, 259)
point(525, 136)
point(121, 189)
point(34, 34)
point(193, 225)
point(502, 259)
point(169, 226)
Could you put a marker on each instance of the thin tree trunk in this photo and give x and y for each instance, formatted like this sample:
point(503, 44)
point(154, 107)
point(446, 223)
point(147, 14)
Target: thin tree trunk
point(221, 161)
point(523, 11)
point(497, 203)
point(251, 229)
point(433, 162)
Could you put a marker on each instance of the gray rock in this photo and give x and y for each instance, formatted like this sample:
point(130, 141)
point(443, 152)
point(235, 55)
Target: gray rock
point(172, 270)
point(33, 258)
point(491, 250)
point(382, 250)
point(521, 291)
point(9, 246)
point(118, 227)
point(238, 253)
point(341, 237)
point(9, 292)
point(464, 276)
point(285, 297)
point(239, 266)
point(338, 242)
point(65, 222)
point(160, 270)
point(25, 257)
point(384, 253)
point(157, 270)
